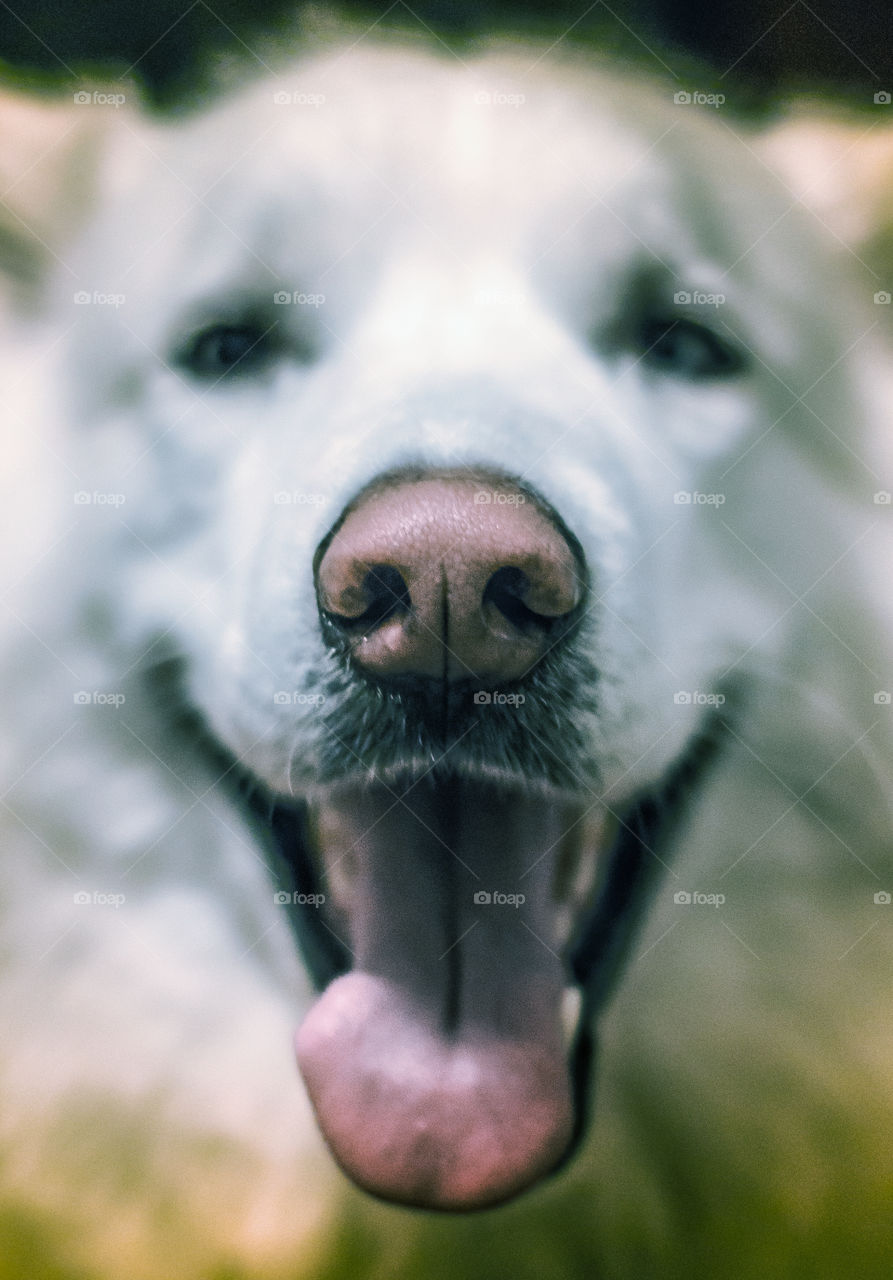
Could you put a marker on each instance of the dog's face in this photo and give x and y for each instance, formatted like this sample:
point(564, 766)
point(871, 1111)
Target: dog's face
point(445, 402)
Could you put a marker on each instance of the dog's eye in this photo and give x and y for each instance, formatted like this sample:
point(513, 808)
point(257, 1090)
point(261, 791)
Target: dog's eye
point(228, 349)
point(687, 349)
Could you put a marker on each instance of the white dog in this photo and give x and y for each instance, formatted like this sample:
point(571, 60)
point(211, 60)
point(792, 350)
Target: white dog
point(466, 573)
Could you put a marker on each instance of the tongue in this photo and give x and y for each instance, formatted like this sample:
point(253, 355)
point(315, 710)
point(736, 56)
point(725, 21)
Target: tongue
point(436, 1066)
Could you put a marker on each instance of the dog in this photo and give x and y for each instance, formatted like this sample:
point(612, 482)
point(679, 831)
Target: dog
point(461, 639)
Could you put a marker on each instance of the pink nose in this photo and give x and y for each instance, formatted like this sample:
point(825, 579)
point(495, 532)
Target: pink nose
point(451, 576)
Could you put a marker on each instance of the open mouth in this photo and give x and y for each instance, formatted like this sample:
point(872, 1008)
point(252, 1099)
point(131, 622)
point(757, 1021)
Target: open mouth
point(444, 919)
point(454, 869)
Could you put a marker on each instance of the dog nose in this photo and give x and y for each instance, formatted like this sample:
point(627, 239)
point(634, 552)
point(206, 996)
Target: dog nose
point(449, 576)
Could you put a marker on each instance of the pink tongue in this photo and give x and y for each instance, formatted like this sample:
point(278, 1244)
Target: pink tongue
point(436, 1067)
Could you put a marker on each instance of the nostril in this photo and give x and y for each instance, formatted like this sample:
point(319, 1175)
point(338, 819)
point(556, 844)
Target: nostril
point(383, 592)
point(505, 591)
point(508, 591)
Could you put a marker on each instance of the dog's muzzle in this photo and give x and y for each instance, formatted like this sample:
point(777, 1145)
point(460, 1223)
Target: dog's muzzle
point(445, 908)
point(437, 1064)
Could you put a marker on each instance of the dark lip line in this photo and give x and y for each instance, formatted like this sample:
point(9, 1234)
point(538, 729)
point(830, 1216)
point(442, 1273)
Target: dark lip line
point(324, 954)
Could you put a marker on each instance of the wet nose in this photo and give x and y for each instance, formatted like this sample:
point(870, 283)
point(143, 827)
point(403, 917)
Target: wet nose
point(449, 576)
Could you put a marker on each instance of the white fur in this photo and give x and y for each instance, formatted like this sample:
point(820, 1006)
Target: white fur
point(474, 257)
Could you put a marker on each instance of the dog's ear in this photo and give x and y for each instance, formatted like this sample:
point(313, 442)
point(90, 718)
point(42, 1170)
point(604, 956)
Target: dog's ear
point(48, 161)
point(842, 170)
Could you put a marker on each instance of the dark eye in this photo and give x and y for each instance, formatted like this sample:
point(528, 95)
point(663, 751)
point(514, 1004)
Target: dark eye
point(687, 349)
point(228, 349)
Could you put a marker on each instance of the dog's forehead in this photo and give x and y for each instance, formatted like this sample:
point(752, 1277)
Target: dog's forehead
point(351, 156)
point(424, 133)
point(510, 170)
